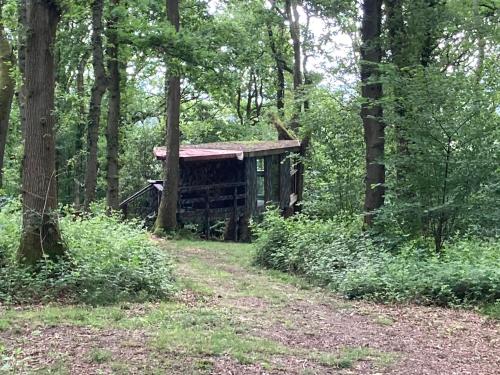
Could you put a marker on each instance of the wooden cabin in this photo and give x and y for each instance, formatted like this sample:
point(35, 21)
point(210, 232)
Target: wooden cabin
point(226, 181)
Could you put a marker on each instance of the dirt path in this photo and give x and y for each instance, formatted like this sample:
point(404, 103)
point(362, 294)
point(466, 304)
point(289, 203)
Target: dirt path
point(231, 318)
point(362, 337)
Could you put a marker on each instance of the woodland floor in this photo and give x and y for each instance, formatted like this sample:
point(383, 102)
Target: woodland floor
point(231, 318)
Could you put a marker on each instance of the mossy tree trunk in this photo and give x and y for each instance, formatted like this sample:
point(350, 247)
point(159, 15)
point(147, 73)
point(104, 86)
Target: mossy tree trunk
point(40, 234)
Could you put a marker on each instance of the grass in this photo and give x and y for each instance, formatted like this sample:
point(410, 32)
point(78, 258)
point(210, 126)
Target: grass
point(491, 310)
point(384, 320)
point(52, 316)
point(98, 355)
point(190, 337)
point(347, 357)
point(215, 342)
point(60, 367)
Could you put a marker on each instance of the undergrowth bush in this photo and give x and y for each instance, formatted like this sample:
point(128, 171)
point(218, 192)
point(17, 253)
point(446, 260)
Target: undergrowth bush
point(364, 265)
point(107, 261)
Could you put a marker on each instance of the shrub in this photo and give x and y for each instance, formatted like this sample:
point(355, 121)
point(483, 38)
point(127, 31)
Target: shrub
point(366, 265)
point(107, 261)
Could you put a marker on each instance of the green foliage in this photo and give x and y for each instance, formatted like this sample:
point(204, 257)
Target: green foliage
point(107, 261)
point(366, 265)
point(451, 168)
point(334, 175)
point(9, 228)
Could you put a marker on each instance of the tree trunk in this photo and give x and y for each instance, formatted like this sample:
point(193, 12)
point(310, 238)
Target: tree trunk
point(249, 96)
point(400, 58)
point(280, 72)
point(167, 212)
point(293, 19)
point(40, 234)
point(7, 84)
point(21, 60)
point(278, 58)
point(80, 132)
point(112, 131)
point(98, 90)
point(430, 37)
point(480, 38)
point(371, 109)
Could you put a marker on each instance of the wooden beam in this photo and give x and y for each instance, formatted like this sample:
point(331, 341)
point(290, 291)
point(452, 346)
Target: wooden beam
point(251, 186)
point(268, 175)
point(272, 179)
point(285, 182)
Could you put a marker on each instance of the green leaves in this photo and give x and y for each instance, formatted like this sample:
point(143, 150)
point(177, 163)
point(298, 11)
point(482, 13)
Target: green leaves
point(107, 261)
point(370, 266)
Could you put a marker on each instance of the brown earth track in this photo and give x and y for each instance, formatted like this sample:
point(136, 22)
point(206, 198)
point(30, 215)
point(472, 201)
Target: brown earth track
point(308, 322)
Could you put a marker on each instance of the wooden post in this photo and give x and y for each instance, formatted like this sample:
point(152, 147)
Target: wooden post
point(235, 214)
point(285, 184)
point(251, 186)
point(267, 179)
point(250, 198)
point(231, 230)
point(207, 212)
point(272, 179)
point(268, 163)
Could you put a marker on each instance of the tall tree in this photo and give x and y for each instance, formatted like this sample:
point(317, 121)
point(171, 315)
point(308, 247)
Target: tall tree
point(97, 93)
point(80, 130)
point(400, 58)
point(292, 15)
point(478, 21)
point(7, 84)
point(371, 109)
point(40, 234)
point(167, 212)
point(112, 131)
point(276, 46)
point(21, 59)
point(280, 71)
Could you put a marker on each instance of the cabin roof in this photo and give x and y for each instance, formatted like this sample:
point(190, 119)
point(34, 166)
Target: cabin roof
point(230, 150)
point(193, 154)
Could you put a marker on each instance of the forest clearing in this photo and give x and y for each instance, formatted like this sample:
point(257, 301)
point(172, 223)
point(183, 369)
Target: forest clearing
point(231, 318)
point(249, 187)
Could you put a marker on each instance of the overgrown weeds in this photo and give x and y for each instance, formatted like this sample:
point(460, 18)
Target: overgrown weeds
point(108, 260)
point(365, 265)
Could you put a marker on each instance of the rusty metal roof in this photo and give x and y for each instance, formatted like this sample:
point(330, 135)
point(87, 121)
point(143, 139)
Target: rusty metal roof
point(231, 150)
point(193, 154)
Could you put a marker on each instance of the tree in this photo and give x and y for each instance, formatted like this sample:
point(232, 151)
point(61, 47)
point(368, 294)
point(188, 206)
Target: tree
point(401, 58)
point(40, 235)
point(280, 63)
point(80, 131)
point(97, 93)
point(21, 58)
point(292, 15)
point(7, 85)
point(167, 212)
point(371, 109)
point(112, 131)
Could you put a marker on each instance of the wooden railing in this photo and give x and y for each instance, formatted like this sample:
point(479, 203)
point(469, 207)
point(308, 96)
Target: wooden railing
point(212, 201)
